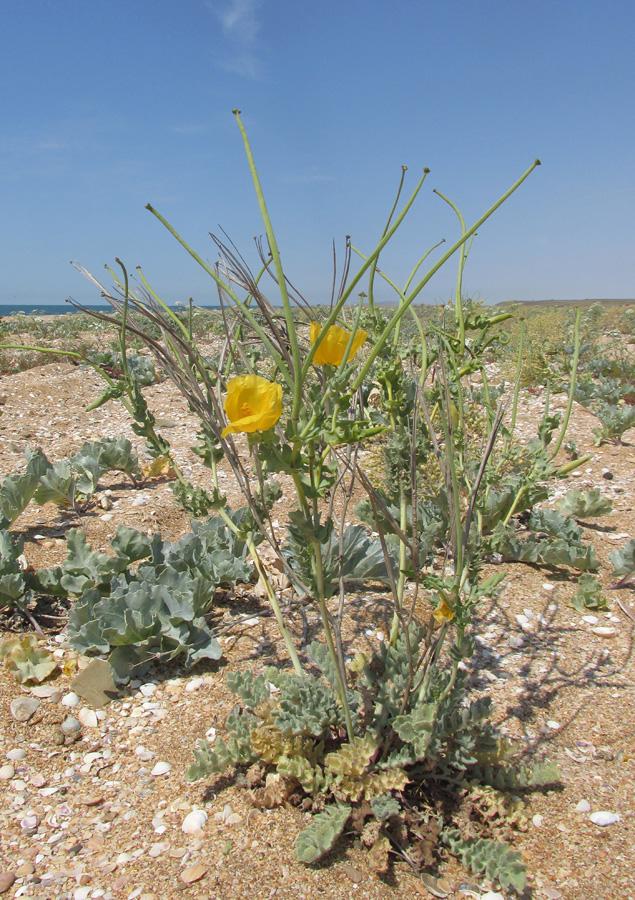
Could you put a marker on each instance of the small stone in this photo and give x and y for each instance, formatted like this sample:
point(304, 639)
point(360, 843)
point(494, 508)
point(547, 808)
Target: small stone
point(95, 683)
point(515, 641)
point(6, 880)
point(71, 700)
point(148, 689)
point(29, 824)
point(352, 873)
point(161, 768)
point(6, 773)
point(538, 820)
point(27, 868)
point(604, 818)
point(70, 726)
point(552, 893)
point(555, 726)
point(16, 754)
point(43, 691)
point(88, 718)
point(143, 753)
point(233, 819)
point(22, 708)
point(548, 587)
point(492, 895)
point(604, 631)
point(583, 806)
point(193, 873)
point(194, 822)
point(193, 685)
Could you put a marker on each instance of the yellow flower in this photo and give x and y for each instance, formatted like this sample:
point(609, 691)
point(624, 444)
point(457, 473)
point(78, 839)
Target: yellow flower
point(333, 346)
point(443, 613)
point(252, 404)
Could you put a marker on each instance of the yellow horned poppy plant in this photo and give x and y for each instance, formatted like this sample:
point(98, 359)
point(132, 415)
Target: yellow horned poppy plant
point(252, 404)
point(333, 346)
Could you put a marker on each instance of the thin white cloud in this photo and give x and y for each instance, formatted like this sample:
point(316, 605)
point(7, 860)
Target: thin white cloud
point(241, 26)
point(239, 19)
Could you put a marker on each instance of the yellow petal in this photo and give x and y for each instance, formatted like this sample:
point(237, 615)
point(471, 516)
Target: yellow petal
point(332, 347)
point(252, 404)
point(443, 613)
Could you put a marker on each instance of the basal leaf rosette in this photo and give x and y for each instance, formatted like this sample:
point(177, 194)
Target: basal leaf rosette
point(252, 404)
point(332, 347)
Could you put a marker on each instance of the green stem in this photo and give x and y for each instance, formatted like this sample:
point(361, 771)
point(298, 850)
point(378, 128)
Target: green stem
point(435, 268)
point(574, 369)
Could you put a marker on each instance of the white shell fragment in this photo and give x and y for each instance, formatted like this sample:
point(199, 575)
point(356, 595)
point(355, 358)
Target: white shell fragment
point(161, 768)
point(194, 821)
point(604, 818)
point(71, 700)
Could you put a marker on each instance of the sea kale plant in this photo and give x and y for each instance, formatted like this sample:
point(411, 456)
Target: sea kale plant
point(376, 742)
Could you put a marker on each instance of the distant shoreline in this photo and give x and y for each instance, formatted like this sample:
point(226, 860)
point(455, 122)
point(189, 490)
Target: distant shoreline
point(63, 309)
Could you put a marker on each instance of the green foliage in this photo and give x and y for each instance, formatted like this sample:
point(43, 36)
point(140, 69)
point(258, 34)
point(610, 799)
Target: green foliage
point(318, 838)
point(584, 505)
point(24, 658)
point(231, 753)
point(624, 560)
point(251, 689)
point(589, 595)
point(615, 420)
point(12, 581)
point(353, 557)
point(563, 551)
point(509, 777)
point(493, 859)
point(156, 616)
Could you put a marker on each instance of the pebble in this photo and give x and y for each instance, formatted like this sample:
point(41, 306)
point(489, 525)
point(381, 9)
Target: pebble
point(538, 820)
point(604, 818)
point(22, 708)
point(148, 689)
point(515, 641)
point(583, 806)
point(194, 821)
point(71, 700)
point(88, 718)
point(193, 873)
point(555, 726)
point(604, 631)
point(143, 753)
point(70, 726)
point(6, 773)
point(548, 587)
point(492, 895)
point(17, 754)
point(161, 768)
point(193, 685)
point(6, 880)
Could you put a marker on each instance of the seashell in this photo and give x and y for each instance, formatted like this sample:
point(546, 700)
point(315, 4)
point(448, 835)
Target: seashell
point(604, 818)
point(194, 821)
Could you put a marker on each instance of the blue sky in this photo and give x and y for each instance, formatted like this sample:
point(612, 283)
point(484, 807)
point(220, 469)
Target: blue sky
point(109, 106)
